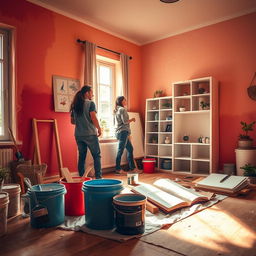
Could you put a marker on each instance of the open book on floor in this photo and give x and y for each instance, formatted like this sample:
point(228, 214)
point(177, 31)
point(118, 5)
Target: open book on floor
point(223, 183)
point(169, 195)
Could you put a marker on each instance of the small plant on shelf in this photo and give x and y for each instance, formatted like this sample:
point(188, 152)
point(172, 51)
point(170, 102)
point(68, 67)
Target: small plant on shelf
point(204, 105)
point(167, 105)
point(158, 93)
point(245, 141)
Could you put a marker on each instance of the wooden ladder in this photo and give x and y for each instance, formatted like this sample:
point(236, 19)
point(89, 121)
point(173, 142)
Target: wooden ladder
point(37, 153)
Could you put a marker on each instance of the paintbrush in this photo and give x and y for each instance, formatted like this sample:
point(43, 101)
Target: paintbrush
point(38, 212)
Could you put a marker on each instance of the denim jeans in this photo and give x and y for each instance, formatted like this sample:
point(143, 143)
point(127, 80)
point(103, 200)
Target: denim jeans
point(124, 142)
point(91, 142)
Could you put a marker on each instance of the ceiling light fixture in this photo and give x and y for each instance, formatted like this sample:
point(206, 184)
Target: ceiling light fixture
point(169, 1)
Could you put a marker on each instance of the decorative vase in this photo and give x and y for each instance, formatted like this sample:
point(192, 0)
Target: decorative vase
point(186, 138)
point(167, 140)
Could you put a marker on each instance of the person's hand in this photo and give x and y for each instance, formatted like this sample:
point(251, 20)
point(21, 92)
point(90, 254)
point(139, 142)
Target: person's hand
point(99, 132)
point(133, 119)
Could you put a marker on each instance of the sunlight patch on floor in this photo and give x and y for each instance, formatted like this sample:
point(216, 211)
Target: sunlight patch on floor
point(214, 236)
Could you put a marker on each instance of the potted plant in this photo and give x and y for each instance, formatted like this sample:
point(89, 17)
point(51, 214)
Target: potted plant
point(3, 175)
point(167, 105)
point(158, 93)
point(245, 141)
point(250, 171)
point(103, 125)
point(204, 105)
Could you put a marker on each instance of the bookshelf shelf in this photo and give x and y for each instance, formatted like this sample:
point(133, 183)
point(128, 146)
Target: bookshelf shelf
point(166, 119)
point(158, 127)
point(195, 123)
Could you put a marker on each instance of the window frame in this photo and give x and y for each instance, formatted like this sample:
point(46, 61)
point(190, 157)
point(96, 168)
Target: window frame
point(111, 64)
point(10, 87)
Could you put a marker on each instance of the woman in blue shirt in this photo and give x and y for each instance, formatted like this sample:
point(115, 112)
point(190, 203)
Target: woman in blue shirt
point(123, 131)
point(87, 130)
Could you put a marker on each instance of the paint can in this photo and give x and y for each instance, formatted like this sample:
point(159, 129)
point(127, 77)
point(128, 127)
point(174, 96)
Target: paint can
point(14, 197)
point(51, 197)
point(149, 165)
point(74, 198)
point(4, 201)
point(130, 213)
point(99, 195)
point(132, 178)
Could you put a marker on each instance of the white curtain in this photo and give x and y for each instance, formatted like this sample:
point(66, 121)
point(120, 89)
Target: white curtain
point(124, 61)
point(90, 68)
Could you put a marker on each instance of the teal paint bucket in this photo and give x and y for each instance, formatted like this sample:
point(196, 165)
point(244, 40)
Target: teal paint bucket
point(98, 196)
point(51, 197)
point(130, 213)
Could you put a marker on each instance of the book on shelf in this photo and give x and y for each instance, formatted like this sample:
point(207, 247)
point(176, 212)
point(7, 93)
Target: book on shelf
point(223, 183)
point(169, 195)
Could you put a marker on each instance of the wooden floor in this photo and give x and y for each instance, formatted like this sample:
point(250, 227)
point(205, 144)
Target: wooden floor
point(227, 228)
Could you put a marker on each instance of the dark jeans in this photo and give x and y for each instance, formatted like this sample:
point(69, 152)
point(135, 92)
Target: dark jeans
point(124, 142)
point(91, 142)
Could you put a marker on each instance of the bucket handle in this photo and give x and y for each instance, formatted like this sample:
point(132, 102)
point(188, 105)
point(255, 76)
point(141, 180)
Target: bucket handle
point(126, 213)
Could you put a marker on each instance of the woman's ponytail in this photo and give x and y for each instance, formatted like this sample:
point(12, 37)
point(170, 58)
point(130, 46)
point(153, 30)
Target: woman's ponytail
point(78, 102)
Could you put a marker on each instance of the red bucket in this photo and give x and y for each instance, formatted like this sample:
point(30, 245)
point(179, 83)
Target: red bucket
point(74, 198)
point(149, 165)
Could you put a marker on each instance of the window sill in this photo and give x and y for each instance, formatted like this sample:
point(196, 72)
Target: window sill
point(10, 143)
point(108, 140)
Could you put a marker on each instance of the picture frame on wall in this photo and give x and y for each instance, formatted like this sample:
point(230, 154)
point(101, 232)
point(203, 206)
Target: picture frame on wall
point(64, 90)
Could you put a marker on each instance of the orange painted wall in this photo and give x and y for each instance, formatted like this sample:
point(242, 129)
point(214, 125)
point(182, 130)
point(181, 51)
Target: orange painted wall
point(45, 46)
point(225, 51)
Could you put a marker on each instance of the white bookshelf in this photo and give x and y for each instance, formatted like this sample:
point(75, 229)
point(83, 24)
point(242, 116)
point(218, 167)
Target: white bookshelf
point(159, 116)
point(192, 156)
point(188, 156)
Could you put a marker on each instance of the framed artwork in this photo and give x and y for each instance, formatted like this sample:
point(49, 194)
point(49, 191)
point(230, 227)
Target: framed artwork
point(64, 90)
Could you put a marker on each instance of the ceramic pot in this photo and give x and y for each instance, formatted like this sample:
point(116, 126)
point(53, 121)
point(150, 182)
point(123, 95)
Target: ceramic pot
point(245, 143)
point(252, 180)
point(167, 140)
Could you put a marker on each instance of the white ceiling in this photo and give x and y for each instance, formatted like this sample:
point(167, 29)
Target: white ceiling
point(144, 21)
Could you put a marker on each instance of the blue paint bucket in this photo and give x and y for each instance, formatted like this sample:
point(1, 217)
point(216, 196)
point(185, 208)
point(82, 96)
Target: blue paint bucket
point(98, 202)
point(50, 197)
point(130, 213)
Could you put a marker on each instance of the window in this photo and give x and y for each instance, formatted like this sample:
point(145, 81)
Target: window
point(5, 92)
point(106, 72)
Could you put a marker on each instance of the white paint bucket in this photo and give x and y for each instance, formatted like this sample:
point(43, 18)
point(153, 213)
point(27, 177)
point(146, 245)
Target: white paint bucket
point(4, 201)
point(14, 196)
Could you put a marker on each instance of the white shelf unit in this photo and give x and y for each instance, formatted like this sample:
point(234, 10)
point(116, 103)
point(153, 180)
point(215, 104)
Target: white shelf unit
point(189, 155)
point(158, 126)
